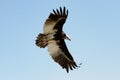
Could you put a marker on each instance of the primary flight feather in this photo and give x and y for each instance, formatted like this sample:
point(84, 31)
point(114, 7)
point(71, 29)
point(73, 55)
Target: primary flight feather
point(53, 37)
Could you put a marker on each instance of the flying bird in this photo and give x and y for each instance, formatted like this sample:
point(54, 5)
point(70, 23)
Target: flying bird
point(53, 37)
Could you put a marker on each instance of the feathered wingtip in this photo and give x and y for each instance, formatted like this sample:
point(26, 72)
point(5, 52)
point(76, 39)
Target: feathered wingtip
point(61, 12)
point(65, 63)
point(73, 66)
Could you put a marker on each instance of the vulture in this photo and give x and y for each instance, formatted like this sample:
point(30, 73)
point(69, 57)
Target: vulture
point(53, 37)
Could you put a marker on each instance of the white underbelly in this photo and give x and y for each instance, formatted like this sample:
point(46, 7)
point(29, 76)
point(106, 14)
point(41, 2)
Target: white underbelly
point(53, 48)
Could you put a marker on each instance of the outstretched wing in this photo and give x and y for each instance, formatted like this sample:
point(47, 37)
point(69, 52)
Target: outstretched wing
point(61, 55)
point(57, 47)
point(55, 20)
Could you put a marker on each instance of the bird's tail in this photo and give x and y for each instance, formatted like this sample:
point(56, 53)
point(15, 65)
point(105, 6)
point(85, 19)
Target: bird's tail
point(41, 41)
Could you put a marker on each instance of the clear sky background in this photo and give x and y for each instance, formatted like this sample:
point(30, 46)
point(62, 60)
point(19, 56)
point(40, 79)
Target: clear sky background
point(93, 25)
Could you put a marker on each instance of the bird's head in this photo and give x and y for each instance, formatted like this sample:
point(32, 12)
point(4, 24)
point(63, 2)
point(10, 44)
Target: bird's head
point(65, 36)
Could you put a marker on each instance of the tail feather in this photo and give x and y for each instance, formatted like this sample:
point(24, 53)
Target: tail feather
point(41, 41)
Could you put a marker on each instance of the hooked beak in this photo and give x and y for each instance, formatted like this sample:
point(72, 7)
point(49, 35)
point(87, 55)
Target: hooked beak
point(67, 37)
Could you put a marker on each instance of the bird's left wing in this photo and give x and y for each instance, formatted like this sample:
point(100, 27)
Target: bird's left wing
point(61, 55)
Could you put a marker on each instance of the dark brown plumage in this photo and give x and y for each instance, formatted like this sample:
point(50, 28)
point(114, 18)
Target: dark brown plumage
point(53, 37)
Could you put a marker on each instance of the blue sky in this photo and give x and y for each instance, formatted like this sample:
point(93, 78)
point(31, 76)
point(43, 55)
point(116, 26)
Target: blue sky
point(94, 27)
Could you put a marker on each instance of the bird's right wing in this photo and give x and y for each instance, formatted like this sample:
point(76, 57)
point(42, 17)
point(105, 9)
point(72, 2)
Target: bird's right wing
point(55, 21)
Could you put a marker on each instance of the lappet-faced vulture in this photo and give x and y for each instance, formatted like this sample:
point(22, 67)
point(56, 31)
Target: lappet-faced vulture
point(53, 37)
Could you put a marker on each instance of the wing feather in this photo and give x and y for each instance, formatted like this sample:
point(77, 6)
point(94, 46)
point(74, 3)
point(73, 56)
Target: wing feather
point(54, 12)
point(58, 13)
point(55, 18)
point(62, 57)
point(60, 10)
